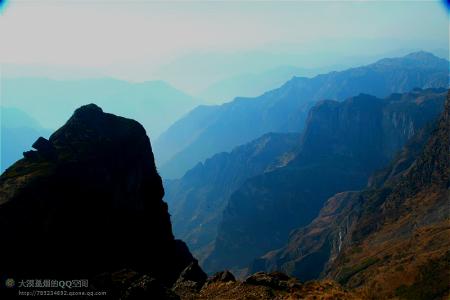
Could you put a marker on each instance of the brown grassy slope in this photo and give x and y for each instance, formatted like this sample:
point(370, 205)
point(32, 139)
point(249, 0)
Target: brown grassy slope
point(288, 289)
point(407, 230)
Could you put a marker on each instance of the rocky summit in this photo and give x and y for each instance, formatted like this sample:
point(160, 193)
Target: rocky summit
point(88, 201)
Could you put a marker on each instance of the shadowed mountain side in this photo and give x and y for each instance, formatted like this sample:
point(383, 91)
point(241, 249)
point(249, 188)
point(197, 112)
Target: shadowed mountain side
point(88, 201)
point(208, 130)
point(342, 145)
point(390, 240)
point(197, 200)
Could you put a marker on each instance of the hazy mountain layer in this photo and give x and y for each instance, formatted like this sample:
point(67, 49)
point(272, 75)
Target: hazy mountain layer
point(18, 132)
point(212, 129)
point(197, 200)
point(252, 85)
point(155, 104)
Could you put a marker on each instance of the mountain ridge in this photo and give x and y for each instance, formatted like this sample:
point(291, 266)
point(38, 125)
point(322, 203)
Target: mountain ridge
point(208, 130)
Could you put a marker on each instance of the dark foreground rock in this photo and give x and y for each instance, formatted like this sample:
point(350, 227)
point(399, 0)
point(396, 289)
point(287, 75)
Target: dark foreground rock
point(91, 204)
point(191, 280)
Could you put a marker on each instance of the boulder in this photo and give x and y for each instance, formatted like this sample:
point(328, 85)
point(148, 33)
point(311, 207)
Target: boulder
point(190, 281)
point(275, 280)
point(223, 276)
point(147, 287)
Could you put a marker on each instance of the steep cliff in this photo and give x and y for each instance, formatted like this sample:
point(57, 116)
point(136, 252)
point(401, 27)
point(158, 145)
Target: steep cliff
point(342, 145)
point(88, 201)
point(390, 240)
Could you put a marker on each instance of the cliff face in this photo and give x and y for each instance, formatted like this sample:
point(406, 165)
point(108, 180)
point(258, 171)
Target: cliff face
point(88, 201)
point(390, 240)
point(403, 229)
point(198, 199)
point(342, 145)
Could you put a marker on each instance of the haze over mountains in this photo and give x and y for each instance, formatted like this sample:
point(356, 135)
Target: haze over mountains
point(225, 150)
point(207, 130)
point(342, 145)
point(198, 199)
point(264, 194)
point(284, 201)
point(18, 132)
point(154, 103)
point(388, 240)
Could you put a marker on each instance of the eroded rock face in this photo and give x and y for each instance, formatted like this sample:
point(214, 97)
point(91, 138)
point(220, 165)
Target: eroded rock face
point(389, 240)
point(95, 207)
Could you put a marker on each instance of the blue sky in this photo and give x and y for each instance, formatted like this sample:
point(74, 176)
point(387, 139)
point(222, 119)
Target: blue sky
point(138, 40)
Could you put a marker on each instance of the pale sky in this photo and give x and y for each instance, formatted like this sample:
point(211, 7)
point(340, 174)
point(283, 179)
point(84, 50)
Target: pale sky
point(135, 39)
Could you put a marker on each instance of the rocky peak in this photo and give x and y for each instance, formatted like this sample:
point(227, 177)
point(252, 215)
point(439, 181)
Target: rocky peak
point(101, 190)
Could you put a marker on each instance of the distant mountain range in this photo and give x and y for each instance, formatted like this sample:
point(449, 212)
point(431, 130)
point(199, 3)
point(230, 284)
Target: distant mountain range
point(155, 104)
point(208, 130)
point(342, 145)
point(359, 199)
point(253, 84)
point(18, 132)
point(389, 240)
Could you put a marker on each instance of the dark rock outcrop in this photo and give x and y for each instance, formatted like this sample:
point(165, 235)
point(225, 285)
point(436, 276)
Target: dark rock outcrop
point(193, 272)
point(223, 276)
point(43, 145)
point(96, 207)
point(275, 280)
point(190, 280)
point(147, 287)
point(45, 150)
